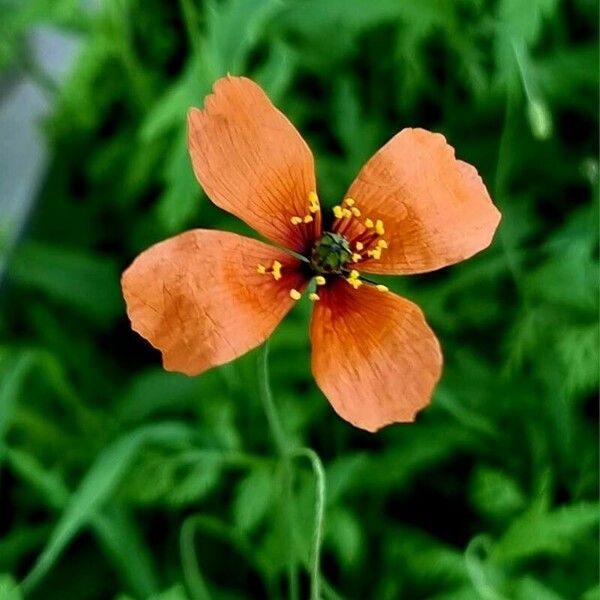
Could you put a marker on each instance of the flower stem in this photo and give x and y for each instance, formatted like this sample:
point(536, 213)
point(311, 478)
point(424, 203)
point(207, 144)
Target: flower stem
point(319, 471)
point(266, 397)
point(282, 447)
point(192, 575)
point(286, 455)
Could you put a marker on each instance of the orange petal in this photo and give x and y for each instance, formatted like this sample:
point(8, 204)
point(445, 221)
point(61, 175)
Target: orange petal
point(373, 355)
point(199, 299)
point(252, 162)
point(435, 209)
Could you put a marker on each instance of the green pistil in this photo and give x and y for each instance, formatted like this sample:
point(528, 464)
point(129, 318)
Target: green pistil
point(330, 254)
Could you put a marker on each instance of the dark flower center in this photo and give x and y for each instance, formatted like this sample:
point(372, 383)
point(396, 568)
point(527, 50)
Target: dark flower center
point(330, 254)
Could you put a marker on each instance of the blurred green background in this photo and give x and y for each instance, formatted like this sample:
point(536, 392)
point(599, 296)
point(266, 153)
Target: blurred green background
point(119, 480)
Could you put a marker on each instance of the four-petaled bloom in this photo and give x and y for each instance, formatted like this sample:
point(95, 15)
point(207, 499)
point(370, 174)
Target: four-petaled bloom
point(206, 297)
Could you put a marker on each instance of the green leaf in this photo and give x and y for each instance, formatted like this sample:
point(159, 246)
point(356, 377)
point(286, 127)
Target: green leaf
point(181, 199)
point(526, 18)
point(13, 371)
point(344, 536)
point(83, 281)
point(9, 589)
point(495, 493)
point(253, 499)
point(114, 530)
point(233, 29)
point(546, 533)
point(528, 588)
point(97, 486)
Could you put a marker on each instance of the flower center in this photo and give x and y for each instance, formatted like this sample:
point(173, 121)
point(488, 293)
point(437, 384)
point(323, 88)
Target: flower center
point(330, 254)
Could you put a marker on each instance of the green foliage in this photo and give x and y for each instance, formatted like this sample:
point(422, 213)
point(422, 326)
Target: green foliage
point(120, 480)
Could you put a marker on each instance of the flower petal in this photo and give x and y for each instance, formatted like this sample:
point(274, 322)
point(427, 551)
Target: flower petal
point(435, 209)
point(373, 355)
point(199, 299)
point(252, 162)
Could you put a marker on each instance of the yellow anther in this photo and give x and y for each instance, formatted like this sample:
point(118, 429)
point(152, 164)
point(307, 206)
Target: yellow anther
point(354, 274)
point(314, 297)
point(356, 257)
point(338, 212)
point(359, 246)
point(375, 253)
point(382, 244)
point(308, 219)
point(295, 294)
point(320, 280)
point(349, 202)
point(261, 269)
point(379, 227)
point(369, 223)
point(313, 202)
point(296, 220)
point(276, 270)
point(355, 211)
point(355, 283)
point(347, 212)
point(382, 288)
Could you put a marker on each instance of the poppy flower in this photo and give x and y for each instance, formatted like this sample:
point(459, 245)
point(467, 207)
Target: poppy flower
point(205, 297)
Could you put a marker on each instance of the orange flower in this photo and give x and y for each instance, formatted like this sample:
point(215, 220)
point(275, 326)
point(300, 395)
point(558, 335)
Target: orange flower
point(205, 297)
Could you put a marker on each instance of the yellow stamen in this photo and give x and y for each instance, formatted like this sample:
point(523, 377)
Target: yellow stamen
point(382, 244)
point(368, 223)
point(320, 280)
point(375, 253)
point(296, 220)
point(382, 288)
point(354, 274)
point(308, 219)
point(356, 257)
point(295, 294)
point(314, 297)
point(355, 283)
point(379, 227)
point(276, 270)
point(349, 202)
point(355, 211)
point(261, 269)
point(313, 202)
point(359, 246)
point(347, 212)
point(338, 212)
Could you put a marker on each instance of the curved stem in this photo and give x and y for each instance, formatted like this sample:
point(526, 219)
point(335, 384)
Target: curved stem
point(319, 472)
point(266, 397)
point(287, 454)
point(220, 531)
point(282, 447)
point(191, 573)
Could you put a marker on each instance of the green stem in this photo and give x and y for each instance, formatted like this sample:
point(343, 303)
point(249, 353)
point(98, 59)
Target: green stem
point(319, 472)
point(500, 192)
point(282, 447)
point(189, 561)
point(266, 396)
point(190, 20)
